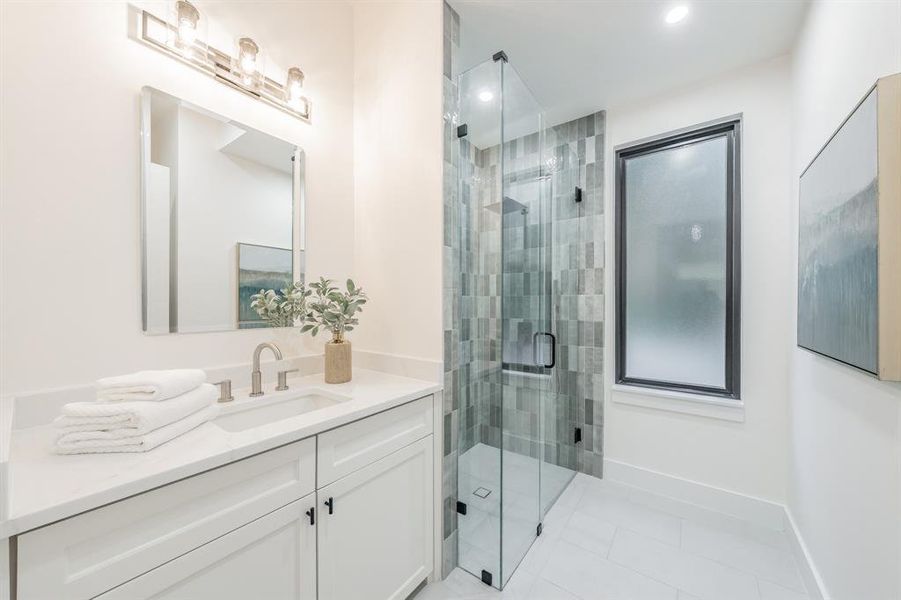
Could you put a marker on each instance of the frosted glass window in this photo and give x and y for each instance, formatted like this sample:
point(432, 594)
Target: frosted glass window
point(677, 250)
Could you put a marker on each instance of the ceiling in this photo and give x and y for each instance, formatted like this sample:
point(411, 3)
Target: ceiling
point(260, 148)
point(580, 56)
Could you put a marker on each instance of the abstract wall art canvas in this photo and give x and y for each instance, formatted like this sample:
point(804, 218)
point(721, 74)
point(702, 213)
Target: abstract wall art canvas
point(260, 267)
point(837, 259)
point(848, 235)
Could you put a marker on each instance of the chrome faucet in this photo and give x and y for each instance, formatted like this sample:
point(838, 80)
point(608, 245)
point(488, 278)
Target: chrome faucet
point(256, 383)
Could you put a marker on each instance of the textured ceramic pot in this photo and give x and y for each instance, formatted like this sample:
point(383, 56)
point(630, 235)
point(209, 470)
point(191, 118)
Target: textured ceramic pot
point(337, 362)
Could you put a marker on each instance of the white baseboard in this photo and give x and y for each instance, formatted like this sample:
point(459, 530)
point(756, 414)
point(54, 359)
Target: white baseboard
point(679, 494)
point(748, 508)
point(816, 587)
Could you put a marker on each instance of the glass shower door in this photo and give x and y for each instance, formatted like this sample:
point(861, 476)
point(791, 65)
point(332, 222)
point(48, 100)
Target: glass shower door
point(527, 339)
point(507, 346)
point(480, 381)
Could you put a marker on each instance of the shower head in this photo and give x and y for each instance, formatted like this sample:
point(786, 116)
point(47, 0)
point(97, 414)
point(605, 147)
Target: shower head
point(510, 205)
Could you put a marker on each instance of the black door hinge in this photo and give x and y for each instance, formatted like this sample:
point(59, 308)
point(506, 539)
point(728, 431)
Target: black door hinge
point(538, 529)
point(578, 194)
point(577, 436)
point(486, 577)
point(461, 507)
point(462, 130)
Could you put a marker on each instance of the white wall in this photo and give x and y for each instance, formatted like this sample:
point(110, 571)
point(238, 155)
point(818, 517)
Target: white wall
point(397, 175)
point(69, 228)
point(223, 199)
point(845, 428)
point(749, 457)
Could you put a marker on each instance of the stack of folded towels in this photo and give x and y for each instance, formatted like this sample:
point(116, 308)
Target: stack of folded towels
point(137, 412)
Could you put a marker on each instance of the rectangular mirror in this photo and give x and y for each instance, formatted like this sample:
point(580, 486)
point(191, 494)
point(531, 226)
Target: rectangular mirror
point(222, 217)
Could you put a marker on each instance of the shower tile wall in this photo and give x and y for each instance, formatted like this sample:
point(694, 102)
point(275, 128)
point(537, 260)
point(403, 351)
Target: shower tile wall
point(480, 322)
point(576, 158)
point(578, 293)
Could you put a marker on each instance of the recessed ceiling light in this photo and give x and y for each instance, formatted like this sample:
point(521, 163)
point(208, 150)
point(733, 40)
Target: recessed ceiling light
point(676, 14)
point(486, 96)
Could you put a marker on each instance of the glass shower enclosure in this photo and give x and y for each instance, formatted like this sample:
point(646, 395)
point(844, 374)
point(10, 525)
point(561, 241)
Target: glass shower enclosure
point(506, 476)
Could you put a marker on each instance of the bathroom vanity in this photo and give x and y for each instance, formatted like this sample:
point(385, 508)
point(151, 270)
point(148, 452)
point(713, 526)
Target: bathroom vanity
point(316, 492)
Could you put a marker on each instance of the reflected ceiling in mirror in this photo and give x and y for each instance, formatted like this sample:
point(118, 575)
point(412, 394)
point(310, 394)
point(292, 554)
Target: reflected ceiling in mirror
point(222, 217)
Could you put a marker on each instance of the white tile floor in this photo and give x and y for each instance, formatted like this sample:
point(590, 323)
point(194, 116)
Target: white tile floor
point(479, 530)
point(605, 541)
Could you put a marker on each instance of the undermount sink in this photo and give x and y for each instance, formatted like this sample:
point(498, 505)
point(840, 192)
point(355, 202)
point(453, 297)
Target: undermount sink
point(252, 413)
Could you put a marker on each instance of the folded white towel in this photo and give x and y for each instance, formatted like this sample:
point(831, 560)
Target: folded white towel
point(149, 385)
point(136, 443)
point(132, 418)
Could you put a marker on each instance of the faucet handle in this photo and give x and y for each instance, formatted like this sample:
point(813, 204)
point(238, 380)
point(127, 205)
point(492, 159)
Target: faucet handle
point(283, 379)
point(225, 390)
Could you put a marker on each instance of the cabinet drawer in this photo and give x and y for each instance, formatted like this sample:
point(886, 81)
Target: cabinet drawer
point(346, 449)
point(91, 553)
point(272, 557)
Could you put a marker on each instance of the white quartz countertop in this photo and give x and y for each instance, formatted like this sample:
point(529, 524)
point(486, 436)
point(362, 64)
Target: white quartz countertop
point(45, 487)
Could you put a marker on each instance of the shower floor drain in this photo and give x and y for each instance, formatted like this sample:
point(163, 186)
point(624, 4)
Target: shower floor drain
point(482, 492)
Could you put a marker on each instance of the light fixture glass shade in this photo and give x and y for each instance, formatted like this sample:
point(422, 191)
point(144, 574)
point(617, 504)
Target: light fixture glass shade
point(186, 31)
point(249, 63)
point(187, 18)
point(294, 89)
point(293, 85)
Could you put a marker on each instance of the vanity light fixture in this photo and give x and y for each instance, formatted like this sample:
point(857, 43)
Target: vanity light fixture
point(187, 16)
point(181, 37)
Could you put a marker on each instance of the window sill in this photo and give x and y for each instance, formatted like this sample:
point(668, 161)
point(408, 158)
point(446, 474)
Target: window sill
point(680, 402)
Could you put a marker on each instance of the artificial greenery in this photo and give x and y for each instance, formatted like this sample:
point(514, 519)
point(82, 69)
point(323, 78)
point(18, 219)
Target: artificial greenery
point(281, 309)
point(330, 308)
point(333, 309)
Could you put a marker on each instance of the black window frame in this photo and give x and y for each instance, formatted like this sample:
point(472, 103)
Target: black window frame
point(730, 127)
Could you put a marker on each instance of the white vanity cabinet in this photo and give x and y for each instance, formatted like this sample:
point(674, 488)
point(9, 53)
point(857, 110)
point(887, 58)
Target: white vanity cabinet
point(92, 553)
point(260, 527)
point(375, 528)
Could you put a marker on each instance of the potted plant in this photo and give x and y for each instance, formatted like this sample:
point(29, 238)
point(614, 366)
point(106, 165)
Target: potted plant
point(330, 309)
point(335, 311)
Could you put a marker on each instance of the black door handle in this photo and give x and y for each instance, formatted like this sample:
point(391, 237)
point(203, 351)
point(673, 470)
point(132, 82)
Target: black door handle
point(331, 504)
point(553, 349)
point(312, 514)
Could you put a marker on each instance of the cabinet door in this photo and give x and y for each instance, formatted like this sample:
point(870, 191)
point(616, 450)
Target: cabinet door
point(377, 542)
point(271, 557)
